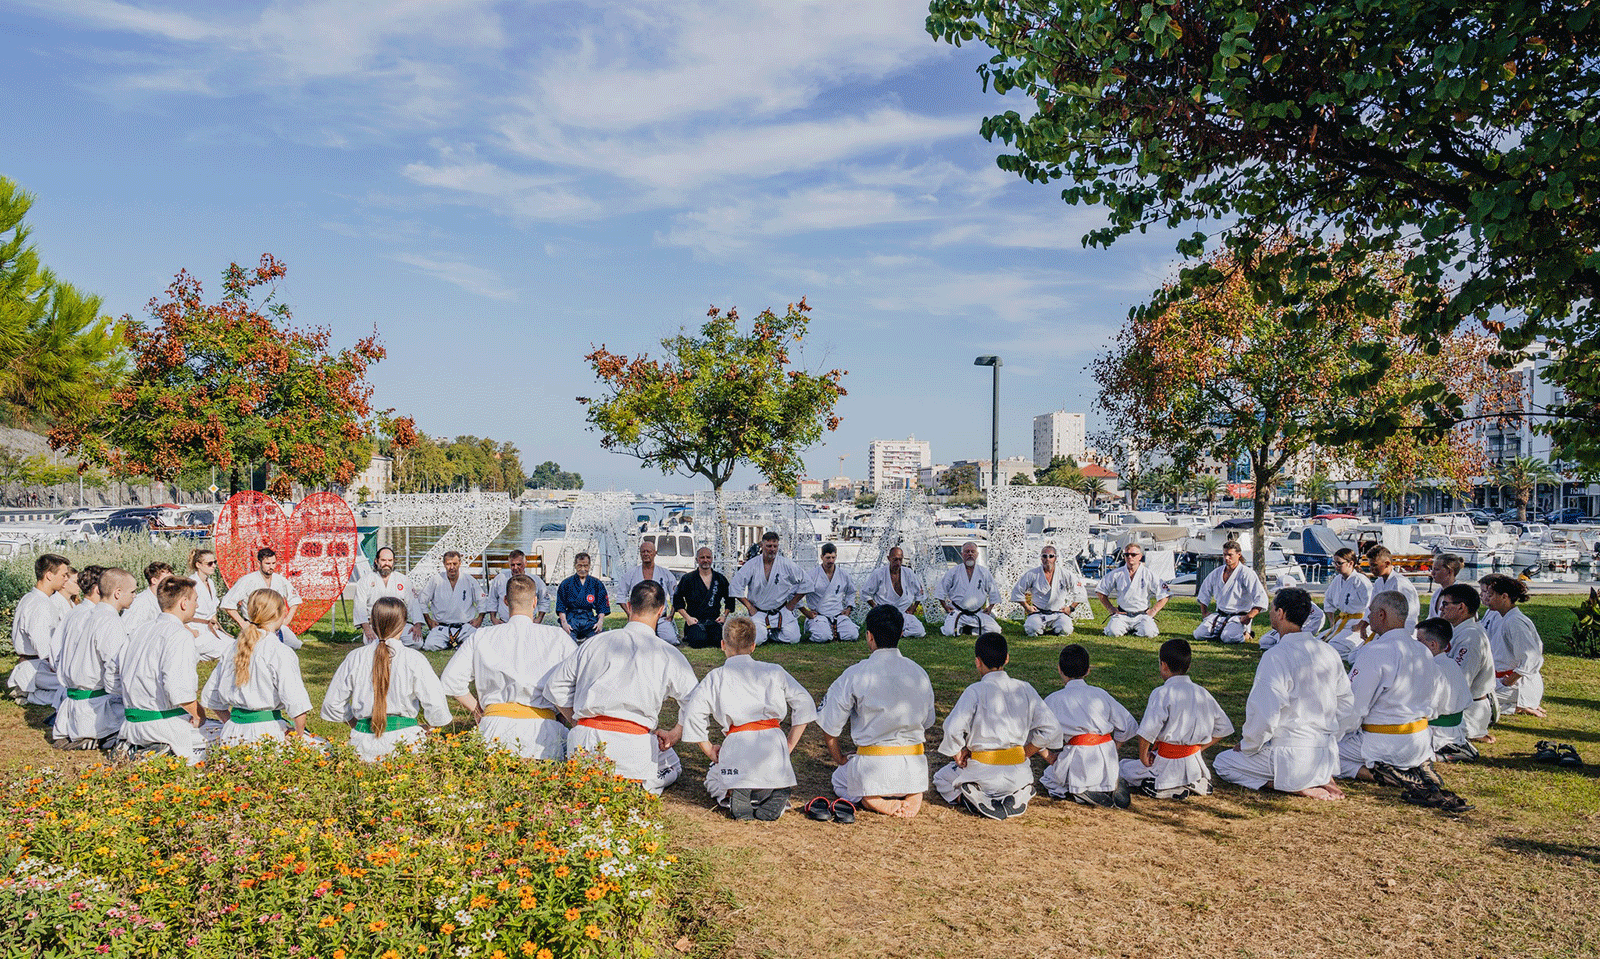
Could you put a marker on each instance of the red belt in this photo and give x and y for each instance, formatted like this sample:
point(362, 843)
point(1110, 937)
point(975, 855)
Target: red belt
point(1170, 751)
point(752, 726)
point(1089, 739)
point(1503, 673)
point(613, 725)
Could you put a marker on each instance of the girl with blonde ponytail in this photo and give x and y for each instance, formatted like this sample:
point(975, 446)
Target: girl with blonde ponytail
point(379, 688)
point(257, 684)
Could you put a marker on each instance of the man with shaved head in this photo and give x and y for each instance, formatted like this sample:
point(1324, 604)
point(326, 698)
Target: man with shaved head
point(899, 586)
point(968, 593)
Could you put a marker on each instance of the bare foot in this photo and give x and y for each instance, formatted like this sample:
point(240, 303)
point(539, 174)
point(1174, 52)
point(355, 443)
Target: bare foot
point(882, 806)
point(1317, 792)
point(910, 806)
point(1332, 789)
point(1365, 775)
point(1530, 711)
point(1487, 739)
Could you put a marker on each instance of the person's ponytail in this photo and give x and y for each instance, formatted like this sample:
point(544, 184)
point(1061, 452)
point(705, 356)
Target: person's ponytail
point(264, 608)
point(388, 621)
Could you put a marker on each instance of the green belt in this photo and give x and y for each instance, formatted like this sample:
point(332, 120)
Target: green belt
point(254, 715)
point(395, 722)
point(81, 694)
point(151, 715)
point(1447, 720)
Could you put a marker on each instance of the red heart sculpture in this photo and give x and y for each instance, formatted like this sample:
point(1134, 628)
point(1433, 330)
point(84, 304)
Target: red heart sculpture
point(316, 546)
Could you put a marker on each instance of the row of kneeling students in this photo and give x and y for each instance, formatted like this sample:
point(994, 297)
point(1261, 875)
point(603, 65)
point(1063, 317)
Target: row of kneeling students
point(533, 690)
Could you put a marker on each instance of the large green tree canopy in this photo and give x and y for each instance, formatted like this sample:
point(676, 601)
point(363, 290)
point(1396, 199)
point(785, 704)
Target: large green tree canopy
point(1461, 137)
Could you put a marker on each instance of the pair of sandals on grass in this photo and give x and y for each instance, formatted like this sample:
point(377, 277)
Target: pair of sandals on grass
point(1557, 754)
point(823, 809)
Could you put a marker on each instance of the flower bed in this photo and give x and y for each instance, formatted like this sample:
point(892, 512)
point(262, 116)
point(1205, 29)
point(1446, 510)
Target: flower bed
point(276, 850)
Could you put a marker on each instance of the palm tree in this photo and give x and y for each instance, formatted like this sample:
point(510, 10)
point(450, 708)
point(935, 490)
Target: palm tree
point(1094, 488)
point(1208, 486)
point(1523, 475)
point(1132, 482)
point(1318, 488)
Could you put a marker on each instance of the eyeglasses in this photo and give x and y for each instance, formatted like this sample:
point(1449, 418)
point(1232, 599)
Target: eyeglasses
point(1047, 556)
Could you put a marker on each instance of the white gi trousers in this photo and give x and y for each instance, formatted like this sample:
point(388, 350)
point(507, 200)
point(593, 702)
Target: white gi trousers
point(1289, 766)
point(529, 737)
point(1402, 750)
point(188, 743)
point(956, 621)
point(636, 755)
point(94, 718)
point(1140, 624)
point(238, 734)
point(1528, 693)
point(784, 621)
point(821, 629)
point(372, 747)
point(1231, 631)
point(37, 680)
point(1475, 719)
point(439, 637)
point(1189, 772)
point(751, 759)
point(996, 782)
point(914, 627)
point(1047, 624)
point(1082, 769)
point(863, 776)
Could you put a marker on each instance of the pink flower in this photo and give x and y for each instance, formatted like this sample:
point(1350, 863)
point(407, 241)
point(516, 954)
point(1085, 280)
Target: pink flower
point(102, 949)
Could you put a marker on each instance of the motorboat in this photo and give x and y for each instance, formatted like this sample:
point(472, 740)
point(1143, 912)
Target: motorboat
point(1473, 549)
point(1539, 545)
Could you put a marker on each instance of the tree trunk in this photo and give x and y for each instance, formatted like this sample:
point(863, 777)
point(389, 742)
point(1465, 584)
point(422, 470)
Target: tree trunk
point(724, 546)
point(1258, 531)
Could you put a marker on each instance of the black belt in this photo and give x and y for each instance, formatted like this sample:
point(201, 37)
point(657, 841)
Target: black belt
point(452, 626)
point(1220, 621)
point(22, 658)
point(963, 611)
point(1044, 612)
point(1125, 612)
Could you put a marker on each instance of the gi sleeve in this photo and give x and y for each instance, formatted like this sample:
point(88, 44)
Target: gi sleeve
point(211, 694)
point(680, 677)
point(180, 664)
point(560, 684)
point(456, 679)
point(1155, 716)
point(1019, 592)
point(958, 725)
point(1123, 726)
point(336, 701)
point(837, 705)
point(292, 695)
point(849, 590)
point(1269, 696)
point(1221, 725)
point(802, 708)
point(1043, 732)
point(696, 712)
point(435, 709)
point(363, 611)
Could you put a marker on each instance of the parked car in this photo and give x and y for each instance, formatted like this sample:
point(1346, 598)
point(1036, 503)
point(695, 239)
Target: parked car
point(131, 519)
point(1572, 514)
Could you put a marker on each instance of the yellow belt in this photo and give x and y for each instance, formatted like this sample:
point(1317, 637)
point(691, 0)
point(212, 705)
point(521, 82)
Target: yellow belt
point(915, 749)
point(1010, 756)
point(519, 711)
point(1415, 726)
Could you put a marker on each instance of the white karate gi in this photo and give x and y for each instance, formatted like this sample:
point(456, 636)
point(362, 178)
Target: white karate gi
point(91, 640)
point(1516, 647)
point(34, 635)
point(1227, 594)
point(412, 687)
point(1299, 705)
point(1084, 710)
point(623, 674)
point(508, 662)
point(997, 712)
point(1451, 697)
point(459, 603)
point(209, 641)
point(1132, 596)
point(888, 701)
point(1345, 602)
point(665, 628)
point(274, 684)
point(156, 673)
point(1180, 712)
point(829, 598)
point(1469, 647)
point(879, 590)
point(1393, 678)
point(374, 587)
point(742, 691)
point(969, 594)
point(1396, 582)
point(71, 624)
point(769, 593)
point(541, 592)
point(238, 594)
point(1051, 598)
point(144, 609)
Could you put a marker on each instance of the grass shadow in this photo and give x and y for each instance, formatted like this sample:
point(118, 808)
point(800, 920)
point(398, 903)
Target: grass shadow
point(1536, 847)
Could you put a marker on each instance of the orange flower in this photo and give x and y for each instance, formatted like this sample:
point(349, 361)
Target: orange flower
point(349, 907)
point(448, 928)
point(544, 954)
point(503, 885)
point(529, 948)
point(390, 954)
point(326, 921)
point(524, 872)
point(592, 931)
point(338, 954)
point(377, 925)
point(562, 872)
point(528, 902)
point(480, 901)
point(572, 915)
point(593, 893)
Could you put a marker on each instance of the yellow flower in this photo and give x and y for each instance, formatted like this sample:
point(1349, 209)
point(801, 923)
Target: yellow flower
point(448, 928)
point(326, 921)
point(529, 948)
point(390, 954)
point(544, 954)
point(572, 915)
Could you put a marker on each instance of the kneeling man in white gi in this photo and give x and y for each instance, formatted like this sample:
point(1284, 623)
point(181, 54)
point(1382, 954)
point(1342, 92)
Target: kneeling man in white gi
point(612, 689)
point(831, 601)
point(750, 773)
point(1299, 703)
point(887, 700)
point(995, 728)
point(1050, 593)
point(453, 606)
point(508, 662)
point(1230, 599)
point(1393, 679)
point(158, 679)
point(770, 587)
point(1133, 594)
point(968, 592)
point(897, 586)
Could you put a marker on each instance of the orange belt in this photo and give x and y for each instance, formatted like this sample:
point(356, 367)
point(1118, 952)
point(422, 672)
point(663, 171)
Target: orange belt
point(1169, 751)
point(1503, 673)
point(613, 725)
point(1089, 739)
point(752, 726)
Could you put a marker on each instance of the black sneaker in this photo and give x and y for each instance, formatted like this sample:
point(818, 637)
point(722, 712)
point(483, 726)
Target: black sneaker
point(1148, 788)
point(770, 808)
point(740, 805)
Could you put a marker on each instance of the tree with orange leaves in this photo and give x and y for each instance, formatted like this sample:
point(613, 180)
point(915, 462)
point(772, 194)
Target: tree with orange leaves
point(1233, 369)
point(717, 400)
point(228, 384)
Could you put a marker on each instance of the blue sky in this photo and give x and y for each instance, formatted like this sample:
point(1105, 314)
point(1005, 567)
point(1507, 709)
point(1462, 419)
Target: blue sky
point(496, 186)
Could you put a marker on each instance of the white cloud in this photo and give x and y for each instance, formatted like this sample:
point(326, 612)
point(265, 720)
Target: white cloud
point(127, 18)
point(473, 279)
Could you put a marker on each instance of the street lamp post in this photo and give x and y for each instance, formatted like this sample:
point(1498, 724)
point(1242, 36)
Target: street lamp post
point(994, 431)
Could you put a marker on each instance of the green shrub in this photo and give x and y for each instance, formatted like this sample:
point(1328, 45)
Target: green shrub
point(1583, 639)
point(281, 850)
